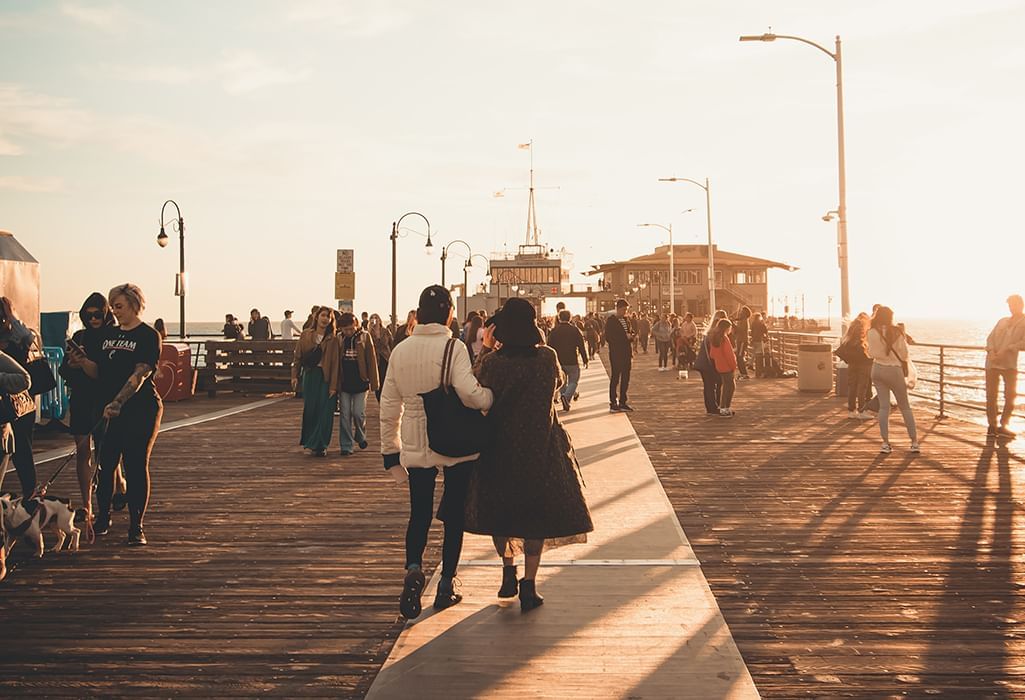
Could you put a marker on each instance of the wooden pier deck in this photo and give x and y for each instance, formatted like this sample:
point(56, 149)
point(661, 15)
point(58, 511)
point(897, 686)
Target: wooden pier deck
point(839, 573)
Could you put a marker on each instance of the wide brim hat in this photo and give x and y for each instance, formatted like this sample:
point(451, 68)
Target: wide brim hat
point(516, 324)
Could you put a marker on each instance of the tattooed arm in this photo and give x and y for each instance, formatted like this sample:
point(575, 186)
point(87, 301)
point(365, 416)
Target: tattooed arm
point(142, 371)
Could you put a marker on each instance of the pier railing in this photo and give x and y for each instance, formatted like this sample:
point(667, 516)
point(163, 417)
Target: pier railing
point(950, 377)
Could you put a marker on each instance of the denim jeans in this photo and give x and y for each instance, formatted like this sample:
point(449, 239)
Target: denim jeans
point(353, 410)
point(572, 380)
point(887, 379)
point(993, 379)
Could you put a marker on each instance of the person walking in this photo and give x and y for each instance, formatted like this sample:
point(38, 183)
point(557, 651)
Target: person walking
point(1003, 344)
point(643, 331)
point(382, 338)
point(525, 491)
point(568, 342)
point(474, 339)
point(14, 379)
point(759, 345)
point(592, 333)
point(290, 330)
point(86, 350)
point(685, 342)
point(711, 380)
point(16, 340)
point(888, 349)
point(317, 355)
point(854, 351)
point(416, 368)
point(357, 375)
point(724, 358)
point(740, 338)
point(620, 338)
point(662, 330)
point(129, 355)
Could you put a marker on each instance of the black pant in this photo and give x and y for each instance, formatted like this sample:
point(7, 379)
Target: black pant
point(712, 384)
point(663, 353)
point(382, 370)
point(451, 512)
point(129, 439)
point(621, 367)
point(742, 358)
point(23, 460)
point(727, 385)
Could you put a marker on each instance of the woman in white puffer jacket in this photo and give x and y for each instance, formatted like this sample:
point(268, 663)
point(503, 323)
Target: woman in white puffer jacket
point(415, 368)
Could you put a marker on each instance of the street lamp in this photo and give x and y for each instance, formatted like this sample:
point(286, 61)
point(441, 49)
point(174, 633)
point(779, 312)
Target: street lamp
point(394, 266)
point(467, 264)
point(162, 240)
point(841, 210)
point(708, 220)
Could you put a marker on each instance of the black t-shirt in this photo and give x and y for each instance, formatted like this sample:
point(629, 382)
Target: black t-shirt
point(352, 382)
point(122, 351)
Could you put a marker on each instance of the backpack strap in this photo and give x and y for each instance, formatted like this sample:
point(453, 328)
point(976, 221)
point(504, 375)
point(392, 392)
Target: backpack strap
point(446, 365)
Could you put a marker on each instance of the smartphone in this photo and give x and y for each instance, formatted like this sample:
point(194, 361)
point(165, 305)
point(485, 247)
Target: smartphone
point(76, 347)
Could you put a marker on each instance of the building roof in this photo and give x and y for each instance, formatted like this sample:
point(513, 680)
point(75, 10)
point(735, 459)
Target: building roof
point(10, 249)
point(691, 255)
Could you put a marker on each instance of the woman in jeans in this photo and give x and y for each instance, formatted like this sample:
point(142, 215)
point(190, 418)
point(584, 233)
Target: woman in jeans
point(888, 349)
point(316, 354)
point(662, 330)
point(724, 357)
point(16, 340)
point(711, 380)
point(415, 369)
point(859, 367)
point(525, 491)
point(133, 409)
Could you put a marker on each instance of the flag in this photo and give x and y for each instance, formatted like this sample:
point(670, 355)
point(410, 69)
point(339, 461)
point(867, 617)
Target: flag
point(523, 145)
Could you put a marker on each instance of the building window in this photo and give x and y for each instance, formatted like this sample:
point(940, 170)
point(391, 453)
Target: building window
point(688, 277)
point(749, 277)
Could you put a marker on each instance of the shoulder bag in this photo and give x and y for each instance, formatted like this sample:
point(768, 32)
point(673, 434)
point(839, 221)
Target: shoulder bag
point(453, 430)
point(14, 406)
point(38, 368)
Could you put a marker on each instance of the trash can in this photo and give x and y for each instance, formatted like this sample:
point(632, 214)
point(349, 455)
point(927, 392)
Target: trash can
point(815, 367)
point(175, 380)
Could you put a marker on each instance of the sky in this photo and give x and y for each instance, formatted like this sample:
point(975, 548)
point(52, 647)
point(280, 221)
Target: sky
point(287, 130)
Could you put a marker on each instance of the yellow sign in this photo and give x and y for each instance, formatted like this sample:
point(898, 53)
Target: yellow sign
point(345, 285)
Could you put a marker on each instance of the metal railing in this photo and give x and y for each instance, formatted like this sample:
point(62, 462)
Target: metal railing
point(951, 377)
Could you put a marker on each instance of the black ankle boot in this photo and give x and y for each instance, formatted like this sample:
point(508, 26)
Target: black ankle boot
point(509, 584)
point(529, 598)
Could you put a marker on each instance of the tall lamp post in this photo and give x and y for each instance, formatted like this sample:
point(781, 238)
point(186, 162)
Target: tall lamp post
point(672, 270)
point(394, 265)
point(841, 228)
point(467, 264)
point(162, 240)
point(708, 219)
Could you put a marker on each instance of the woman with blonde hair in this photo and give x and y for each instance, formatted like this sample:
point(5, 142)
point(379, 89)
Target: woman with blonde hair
point(405, 330)
point(854, 351)
point(888, 348)
point(129, 357)
point(317, 356)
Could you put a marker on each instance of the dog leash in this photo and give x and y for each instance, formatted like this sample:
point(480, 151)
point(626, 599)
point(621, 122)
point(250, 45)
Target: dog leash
point(39, 492)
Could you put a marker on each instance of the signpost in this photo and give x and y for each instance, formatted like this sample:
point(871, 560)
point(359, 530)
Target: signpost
point(345, 280)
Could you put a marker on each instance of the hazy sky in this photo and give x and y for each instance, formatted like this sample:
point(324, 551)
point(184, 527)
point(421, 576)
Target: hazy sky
point(286, 130)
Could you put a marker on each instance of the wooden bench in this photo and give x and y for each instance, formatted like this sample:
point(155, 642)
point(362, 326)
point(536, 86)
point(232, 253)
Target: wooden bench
point(248, 366)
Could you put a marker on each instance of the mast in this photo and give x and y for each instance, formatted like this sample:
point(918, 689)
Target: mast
point(532, 233)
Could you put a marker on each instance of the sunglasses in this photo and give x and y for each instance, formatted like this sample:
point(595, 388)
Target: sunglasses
point(90, 315)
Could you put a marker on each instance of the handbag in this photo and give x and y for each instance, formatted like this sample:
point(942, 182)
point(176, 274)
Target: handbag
point(43, 381)
point(453, 430)
point(14, 406)
point(703, 363)
point(844, 353)
point(313, 357)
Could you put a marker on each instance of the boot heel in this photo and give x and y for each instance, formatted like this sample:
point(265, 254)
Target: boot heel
point(529, 598)
point(510, 586)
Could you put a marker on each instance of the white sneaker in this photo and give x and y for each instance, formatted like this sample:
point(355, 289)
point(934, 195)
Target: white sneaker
point(852, 414)
point(864, 415)
point(915, 448)
point(885, 449)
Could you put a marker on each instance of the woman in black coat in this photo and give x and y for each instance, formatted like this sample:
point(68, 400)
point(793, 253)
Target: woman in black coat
point(525, 489)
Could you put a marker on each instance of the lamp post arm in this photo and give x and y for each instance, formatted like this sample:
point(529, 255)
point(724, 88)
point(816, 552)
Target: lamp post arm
point(821, 48)
point(682, 179)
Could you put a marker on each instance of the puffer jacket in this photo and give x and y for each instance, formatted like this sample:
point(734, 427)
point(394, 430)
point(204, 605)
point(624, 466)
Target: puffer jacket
point(413, 369)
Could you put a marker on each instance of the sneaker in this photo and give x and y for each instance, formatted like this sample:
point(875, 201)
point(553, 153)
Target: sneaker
point(624, 407)
point(852, 414)
point(137, 538)
point(565, 404)
point(446, 597)
point(885, 449)
point(576, 396)
point(864, 415)
point(725, 413)
point(915, 448)
point(101, 526)
point(346, 453)
point(613, 408)
point(412, 589)
point(320, 453)
point(1004, 432)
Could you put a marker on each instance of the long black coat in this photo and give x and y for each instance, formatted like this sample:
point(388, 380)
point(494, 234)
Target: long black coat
point(525, 485)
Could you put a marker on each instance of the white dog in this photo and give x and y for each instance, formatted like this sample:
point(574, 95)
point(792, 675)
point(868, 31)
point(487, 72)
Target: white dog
point(49, 510)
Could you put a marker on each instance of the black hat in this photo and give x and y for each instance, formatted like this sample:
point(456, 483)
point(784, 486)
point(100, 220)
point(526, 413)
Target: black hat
point(435, 304)
point(516, 324)
point(620, 303)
